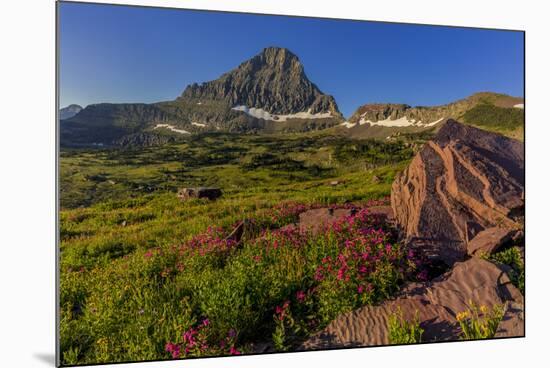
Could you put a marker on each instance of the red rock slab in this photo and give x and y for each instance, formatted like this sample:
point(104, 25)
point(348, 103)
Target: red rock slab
point(489, 240)
point(437, 302)
point(317, 218)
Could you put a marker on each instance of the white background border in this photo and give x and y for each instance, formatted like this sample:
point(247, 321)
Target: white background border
point(27, 181)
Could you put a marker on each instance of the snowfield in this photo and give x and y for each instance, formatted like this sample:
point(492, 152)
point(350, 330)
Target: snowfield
point(262, 114)
point(198, 124)
point(401, 122)
point(172, 128)
point(519, 106)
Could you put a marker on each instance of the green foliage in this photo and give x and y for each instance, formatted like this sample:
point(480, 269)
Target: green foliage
point(512, 258)
point(480, 322)
point(491, 116)
point(402, 331)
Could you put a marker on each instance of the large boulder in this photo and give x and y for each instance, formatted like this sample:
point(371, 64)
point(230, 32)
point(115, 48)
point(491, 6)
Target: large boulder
point(460, 183)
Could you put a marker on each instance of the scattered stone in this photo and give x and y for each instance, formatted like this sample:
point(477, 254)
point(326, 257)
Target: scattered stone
point(335, 183)
point(123, 223)
point(200, 192)
point(460, 183)
point(375, 179)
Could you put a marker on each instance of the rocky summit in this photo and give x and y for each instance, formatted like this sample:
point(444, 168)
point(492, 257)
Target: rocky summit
point(274, 81)
point(462, 182)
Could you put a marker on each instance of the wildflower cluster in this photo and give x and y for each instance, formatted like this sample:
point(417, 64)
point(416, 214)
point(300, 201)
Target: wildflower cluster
point(368, 261)
point(197, 341)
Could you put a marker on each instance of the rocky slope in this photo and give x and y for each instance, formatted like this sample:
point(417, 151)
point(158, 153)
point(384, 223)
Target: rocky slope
point(489, 110)
point(268, 93)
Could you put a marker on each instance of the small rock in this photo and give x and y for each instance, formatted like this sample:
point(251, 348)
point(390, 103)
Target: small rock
point(200, 192)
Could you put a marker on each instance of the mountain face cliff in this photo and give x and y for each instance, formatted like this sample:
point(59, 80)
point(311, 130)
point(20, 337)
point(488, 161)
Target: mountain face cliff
point(273, 81)
point(267, 93)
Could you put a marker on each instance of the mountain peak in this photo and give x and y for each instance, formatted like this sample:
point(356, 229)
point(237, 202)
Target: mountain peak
point(69, 111)
point(278, 56)
point(273, 80)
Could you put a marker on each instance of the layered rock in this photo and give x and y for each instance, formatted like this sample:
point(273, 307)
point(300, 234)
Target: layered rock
point(435, 304)
point(462, 182)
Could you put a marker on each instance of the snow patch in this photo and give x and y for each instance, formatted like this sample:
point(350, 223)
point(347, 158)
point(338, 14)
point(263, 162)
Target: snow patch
point(401, 122)
point(434, 122)
point(262, 114)
point(198, 124)
point(172, 128)
point(519, 106)
point(348, 125)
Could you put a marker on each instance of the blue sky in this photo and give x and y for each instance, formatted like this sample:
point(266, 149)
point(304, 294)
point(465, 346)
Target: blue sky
point(130, 54)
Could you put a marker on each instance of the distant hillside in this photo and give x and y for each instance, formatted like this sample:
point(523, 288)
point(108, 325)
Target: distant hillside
point(69, 111)
point(491, 111)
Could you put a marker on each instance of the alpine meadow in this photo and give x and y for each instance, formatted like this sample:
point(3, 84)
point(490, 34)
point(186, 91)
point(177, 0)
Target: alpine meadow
point(249, 215)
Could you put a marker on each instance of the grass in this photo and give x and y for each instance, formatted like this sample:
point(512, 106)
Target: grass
point(145, 276)
point(507, 121)
point(402, 331)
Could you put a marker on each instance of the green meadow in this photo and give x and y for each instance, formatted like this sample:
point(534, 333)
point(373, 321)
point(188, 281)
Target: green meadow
point(132, 286)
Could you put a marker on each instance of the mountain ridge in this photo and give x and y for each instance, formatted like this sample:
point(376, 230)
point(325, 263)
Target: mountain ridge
point(481, 109)
point(268, 93)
